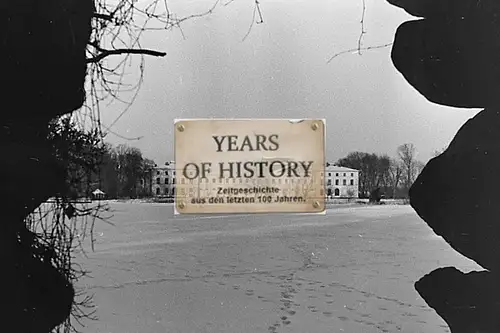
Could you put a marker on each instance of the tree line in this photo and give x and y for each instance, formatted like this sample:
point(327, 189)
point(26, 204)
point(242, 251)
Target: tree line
point(89, 163)
point(123, 172)
point(392, 176)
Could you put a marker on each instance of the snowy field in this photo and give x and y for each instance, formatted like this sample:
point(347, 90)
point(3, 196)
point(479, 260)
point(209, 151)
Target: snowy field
point(351, 270)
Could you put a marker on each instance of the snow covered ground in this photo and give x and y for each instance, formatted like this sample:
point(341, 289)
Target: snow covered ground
point(351, 270)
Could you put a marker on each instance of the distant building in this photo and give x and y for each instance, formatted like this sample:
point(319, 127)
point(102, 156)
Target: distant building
point(98, 194)
point(341, 182)
point(163, 180)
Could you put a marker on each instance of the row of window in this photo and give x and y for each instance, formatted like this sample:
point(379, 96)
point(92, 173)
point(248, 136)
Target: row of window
point(336, 193)
point(214, 180)
point(158, 173)
point(158, 181)
point(337, 174)
point(344, 182)
point(166, 191)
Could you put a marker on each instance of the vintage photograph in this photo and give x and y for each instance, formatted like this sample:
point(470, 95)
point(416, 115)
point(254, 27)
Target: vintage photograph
point(250, 166)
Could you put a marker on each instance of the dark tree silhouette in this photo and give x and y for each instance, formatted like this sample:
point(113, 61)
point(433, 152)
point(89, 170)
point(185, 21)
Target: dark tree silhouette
point(450, 55)
point(55, 59)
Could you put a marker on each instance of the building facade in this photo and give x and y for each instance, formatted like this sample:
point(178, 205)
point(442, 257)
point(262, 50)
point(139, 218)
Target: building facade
point(163, 180)
point(340, 182)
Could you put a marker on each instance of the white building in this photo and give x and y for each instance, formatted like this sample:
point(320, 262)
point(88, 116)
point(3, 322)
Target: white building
point(163, 182)
point(341, 182)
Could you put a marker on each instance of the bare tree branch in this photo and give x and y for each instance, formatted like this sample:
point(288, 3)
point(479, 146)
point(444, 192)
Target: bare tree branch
point(103, 16)
point(357, 50)
point(117, 30)
point(257, 4)
point(122, 136)
point(363, 32)
point(105, 53)
point(256, 10)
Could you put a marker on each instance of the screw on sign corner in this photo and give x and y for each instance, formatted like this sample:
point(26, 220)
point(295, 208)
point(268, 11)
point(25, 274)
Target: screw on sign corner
point(316, 204)
point(315, 126)
point(181, 205)
point(181, 128)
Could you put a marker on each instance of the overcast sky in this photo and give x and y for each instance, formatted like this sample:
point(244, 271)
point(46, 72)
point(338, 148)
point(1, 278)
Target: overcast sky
point(280, 71)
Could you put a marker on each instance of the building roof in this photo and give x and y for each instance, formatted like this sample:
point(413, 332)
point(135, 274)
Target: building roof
point(336, 168)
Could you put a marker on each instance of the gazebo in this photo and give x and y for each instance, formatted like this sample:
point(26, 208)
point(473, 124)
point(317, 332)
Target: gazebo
point(98, 194)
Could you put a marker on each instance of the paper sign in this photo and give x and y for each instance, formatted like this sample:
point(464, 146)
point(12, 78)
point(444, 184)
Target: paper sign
point(249, 166)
